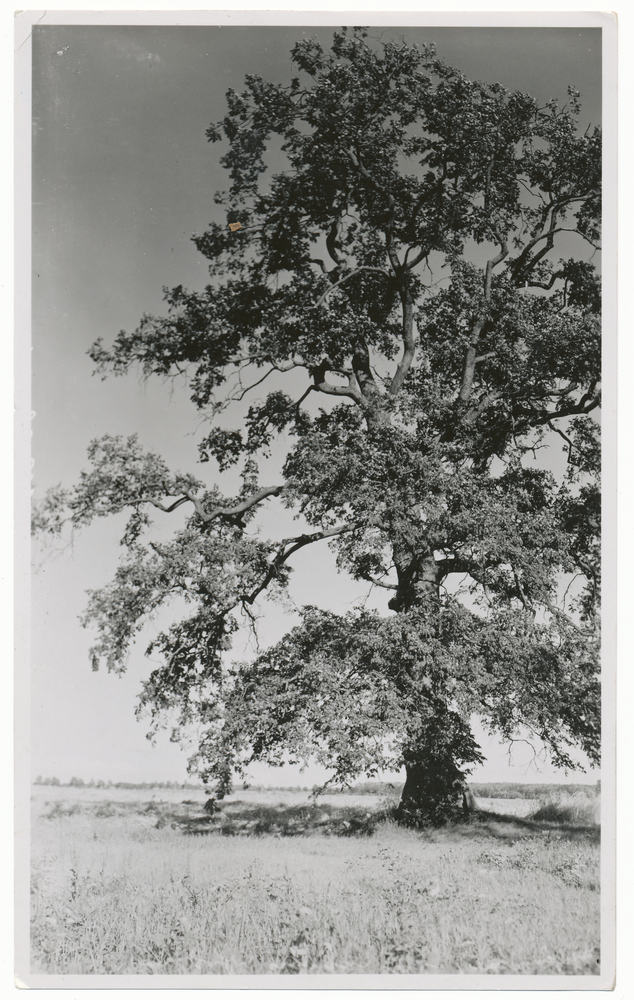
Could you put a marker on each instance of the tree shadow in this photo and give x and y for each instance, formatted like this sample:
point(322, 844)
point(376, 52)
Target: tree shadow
point(255, 819)
point(239, 818)
point(505, 827)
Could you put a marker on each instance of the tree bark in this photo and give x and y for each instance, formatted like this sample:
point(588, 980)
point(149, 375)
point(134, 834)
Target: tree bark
point(432, 796)
point(418, 580)
point(435, 788)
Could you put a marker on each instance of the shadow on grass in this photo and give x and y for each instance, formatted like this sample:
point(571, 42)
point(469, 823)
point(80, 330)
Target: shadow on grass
point(240, 819)
point(249, 819)
point(504, 827)
point(254, 819)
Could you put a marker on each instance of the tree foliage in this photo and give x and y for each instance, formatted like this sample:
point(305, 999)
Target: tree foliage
point(420, 262)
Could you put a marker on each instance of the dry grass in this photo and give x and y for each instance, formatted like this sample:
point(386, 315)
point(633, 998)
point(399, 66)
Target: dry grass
point(576, 810)
point(275, 887)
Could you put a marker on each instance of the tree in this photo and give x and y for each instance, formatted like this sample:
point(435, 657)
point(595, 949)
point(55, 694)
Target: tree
point(403, 269)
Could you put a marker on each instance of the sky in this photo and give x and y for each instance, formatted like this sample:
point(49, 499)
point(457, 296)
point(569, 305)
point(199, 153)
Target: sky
point(122, 176)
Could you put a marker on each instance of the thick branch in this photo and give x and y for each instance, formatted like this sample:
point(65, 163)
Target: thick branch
point(455, 563)
point(154, 501)
point(346, 277)
point(287, 366)
point(421, 255)
point(234, 513)
point(584, 406)
point(479, 409)
point(471, 355)
point(358, 165)
point(351, 391)
point(378, 583)
point(409, 342)
point(331, 240)
point(331, 274)
point(389, 245)
point(363, 369)
point(231, 513)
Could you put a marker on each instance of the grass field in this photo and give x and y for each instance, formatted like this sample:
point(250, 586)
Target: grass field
point(136, 883)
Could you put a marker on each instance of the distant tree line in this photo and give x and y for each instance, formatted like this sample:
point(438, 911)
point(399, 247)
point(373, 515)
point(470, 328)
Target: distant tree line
point(80, 783)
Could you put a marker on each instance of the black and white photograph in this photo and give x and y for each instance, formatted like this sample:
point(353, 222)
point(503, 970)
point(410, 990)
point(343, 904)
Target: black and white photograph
point(313, 675)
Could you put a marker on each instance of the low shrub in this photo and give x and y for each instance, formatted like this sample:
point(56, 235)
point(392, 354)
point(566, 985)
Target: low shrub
point(577, 810)
point(63, 809)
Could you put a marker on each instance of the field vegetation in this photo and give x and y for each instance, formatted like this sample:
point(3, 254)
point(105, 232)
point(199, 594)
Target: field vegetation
point(281, 883)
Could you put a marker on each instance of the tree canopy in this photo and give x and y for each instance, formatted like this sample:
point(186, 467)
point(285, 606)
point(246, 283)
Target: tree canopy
point(422, 266)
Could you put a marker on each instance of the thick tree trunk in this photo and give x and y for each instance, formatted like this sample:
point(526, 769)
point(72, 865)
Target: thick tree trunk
point(442, 745)
point(418, 580)
point(432, 797)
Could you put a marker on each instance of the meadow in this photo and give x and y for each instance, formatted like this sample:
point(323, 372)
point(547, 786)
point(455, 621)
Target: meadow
point(145, 882)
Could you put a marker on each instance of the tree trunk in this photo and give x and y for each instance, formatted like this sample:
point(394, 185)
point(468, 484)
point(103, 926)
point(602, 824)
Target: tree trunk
point(432, 797)
point(442, 745)
point(437, 762)
point(418, 581)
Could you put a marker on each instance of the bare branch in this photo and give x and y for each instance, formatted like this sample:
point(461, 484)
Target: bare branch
point(378, 583)
point(153, 500)
point(352, 390)
point(471, 353)
point(523, 265)
point(331, 240)
point(559, 431)
point(241, 508)
point(559, 614)
point(318, 260)
point(232, 513)
point(479, 409)
point(248, 388)
point(346, 277)
point(409, 343)
point(564, 229)
point(422, 255)
point(287, 548)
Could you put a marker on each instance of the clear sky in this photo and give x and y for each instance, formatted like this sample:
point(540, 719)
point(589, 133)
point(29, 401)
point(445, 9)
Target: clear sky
point(122, 177)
